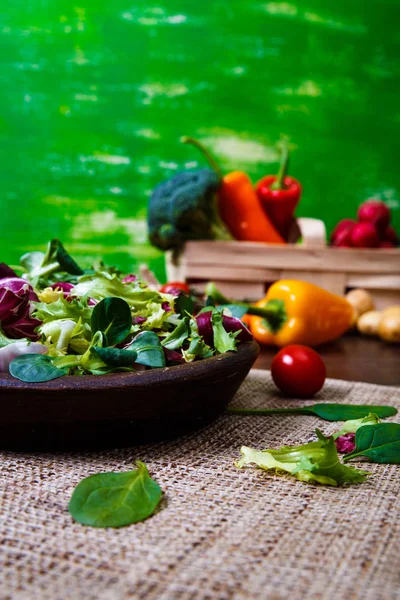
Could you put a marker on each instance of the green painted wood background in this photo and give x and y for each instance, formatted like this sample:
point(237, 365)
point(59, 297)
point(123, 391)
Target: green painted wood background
point(95, 96)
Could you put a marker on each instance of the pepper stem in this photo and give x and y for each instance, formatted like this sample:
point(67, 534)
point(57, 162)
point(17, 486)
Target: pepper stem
point(279, 183)
point(273, 313)
point(208, 156)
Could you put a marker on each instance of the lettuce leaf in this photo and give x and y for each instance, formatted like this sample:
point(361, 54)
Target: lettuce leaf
point(62, 309)
point(315, 462)
point(224, 341)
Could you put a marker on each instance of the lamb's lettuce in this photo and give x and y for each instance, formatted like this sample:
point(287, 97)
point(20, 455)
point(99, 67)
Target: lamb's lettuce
point(148, 348)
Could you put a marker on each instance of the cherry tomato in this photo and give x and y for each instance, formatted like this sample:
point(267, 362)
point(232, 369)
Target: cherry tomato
point(298, 371)
point(175, 287)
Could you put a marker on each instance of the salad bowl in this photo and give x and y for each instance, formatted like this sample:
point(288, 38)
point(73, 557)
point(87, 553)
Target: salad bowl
point(123, 408)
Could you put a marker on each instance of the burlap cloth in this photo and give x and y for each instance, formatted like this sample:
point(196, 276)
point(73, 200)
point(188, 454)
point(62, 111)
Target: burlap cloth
point(220, 532)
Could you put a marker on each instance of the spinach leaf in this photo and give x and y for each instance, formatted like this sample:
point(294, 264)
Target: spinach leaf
point(177, 337)
point(115, 499)
point(149, 350)
point(34, 368)
point(328, 412)
point(380, 443)
point(115, 357)
point(113, 317)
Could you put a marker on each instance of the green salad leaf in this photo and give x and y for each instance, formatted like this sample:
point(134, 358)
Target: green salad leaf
point(328, 412)
point(41, 266)
point(178, 336)
point(115, 499)
point(315, 462)
point(224, 341)
point(352, 425)
point(197, 349)
point(112, 316)
point(184, 305)
point(115, 357)
point(63, 309)
point(66, 261)
point(380, 443)
point(35, 368)
point(149, 351)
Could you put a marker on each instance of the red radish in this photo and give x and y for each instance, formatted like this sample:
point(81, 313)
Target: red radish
point(386, 244)
point(375, 212)
point(340, 234)
point(390, 235)
point(343, 238)
point(364, 235)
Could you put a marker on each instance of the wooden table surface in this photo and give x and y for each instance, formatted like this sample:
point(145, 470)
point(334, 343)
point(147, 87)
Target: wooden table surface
point(353, 358)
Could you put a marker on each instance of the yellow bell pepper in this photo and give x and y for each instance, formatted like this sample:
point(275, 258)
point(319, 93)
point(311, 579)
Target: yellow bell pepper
point(300, 313)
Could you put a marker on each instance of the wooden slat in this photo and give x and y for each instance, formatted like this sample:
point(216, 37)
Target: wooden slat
point(253, 254)
point(222, 272)
point(388, 282)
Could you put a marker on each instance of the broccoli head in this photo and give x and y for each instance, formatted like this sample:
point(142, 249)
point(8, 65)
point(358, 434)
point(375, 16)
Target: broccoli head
point(184, 208)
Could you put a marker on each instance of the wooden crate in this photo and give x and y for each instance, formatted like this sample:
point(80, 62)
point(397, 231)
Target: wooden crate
point(244, 270)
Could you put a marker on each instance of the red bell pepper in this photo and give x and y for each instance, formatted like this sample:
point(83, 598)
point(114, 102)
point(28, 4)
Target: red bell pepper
point(279, 195)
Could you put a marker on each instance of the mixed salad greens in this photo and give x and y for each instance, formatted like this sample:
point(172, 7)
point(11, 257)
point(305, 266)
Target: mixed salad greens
point(57, 319)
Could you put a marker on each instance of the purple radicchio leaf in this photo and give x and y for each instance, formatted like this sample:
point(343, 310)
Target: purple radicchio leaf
point(173, 357)
point(129, 278)
point(15, 297)
point(138, 320)
point(165, 306)
point(64, 286)
point(6, 271)
point(66, 289)
point(23, 328)
point(231, 324)
point(346, 443)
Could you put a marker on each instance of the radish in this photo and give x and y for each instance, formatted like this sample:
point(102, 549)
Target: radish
point(341, 231)
point(390, 235)
point(376, 213)
point(364, 235)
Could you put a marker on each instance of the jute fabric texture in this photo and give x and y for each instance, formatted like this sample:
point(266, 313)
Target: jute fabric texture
point(220, 532)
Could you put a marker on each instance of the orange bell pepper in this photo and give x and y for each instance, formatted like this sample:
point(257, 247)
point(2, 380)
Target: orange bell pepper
point(300, 313)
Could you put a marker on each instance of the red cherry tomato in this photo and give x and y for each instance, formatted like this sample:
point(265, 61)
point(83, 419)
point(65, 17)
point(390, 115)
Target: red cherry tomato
point(298, 371)
point(174, 287)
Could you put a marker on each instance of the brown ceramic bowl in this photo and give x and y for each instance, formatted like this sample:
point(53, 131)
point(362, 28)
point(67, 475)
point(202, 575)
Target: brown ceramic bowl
point(120, 408)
